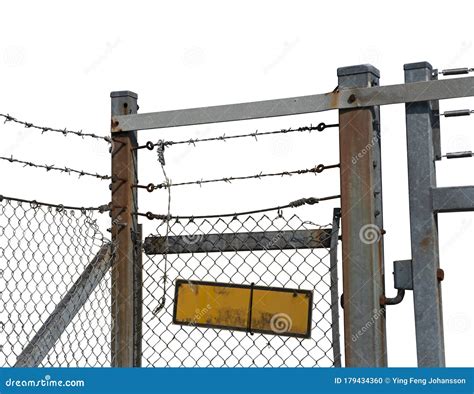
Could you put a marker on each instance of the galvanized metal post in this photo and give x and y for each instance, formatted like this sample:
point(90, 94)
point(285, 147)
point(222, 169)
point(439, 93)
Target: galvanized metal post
point(124, 232)
point(362, 225)
point(424, 224)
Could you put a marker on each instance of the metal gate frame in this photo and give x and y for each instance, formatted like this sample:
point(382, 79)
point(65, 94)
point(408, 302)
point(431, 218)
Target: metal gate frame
point(358, 98)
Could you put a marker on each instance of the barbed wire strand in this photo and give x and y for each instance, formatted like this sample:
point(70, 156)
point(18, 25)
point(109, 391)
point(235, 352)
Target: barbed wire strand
point(60, 207)
point(316, 170)
point(293, 204)
point(320, 127)
point(48, 168)
point(45, 129)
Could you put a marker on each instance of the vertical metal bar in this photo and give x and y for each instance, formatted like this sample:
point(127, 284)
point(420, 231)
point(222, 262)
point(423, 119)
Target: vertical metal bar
point(138, 299)
point(362, 225)
point(124, 226)
point(435, 123)
point(336, 346)
point(424, 224)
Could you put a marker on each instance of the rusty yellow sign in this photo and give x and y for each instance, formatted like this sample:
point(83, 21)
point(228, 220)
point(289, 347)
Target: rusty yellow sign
point(268, 310)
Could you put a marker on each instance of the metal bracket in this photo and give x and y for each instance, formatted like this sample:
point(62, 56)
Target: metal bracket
point(402, 275)
point(403, 280)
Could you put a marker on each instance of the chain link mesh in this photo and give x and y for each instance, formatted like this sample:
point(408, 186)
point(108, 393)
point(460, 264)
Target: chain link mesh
point(167, 344)
point(43, 252)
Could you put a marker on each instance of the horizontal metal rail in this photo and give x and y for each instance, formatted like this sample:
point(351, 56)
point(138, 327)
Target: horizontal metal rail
point(231, 242)
point(338, 99)
point(66, 310)
point(453, 199)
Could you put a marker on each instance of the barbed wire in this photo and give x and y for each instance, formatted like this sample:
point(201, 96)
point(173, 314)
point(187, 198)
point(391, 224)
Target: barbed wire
point(193, 141)
point(48, 168)
point(59, 207)
point(456, 71)
point(293, 204)
point(457, 112)
point(316, 170)
point(45, 129)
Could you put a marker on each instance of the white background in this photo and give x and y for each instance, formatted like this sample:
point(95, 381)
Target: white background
point(60, 60)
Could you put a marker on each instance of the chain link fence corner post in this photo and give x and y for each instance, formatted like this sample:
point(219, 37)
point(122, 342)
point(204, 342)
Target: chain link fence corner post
point(125, 306)
point(362, 225)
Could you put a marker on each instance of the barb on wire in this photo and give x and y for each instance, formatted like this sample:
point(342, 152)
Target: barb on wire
point(45, 129)
point(459, 155)
point(315, 170)
point(456, 71)
point(293, 204)
point(59, 207)
point(48, 168)
point(320, 127)
point(457, 112)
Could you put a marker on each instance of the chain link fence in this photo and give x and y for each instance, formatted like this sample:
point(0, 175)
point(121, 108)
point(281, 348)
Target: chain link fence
point(55, 286)
point(169, 345)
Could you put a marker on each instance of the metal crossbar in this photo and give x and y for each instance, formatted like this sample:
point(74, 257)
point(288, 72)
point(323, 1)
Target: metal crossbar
point(338, 99)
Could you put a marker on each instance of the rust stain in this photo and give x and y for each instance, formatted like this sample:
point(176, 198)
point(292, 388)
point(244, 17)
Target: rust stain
point(334, 98)
point(221, 290)
point(232, 317)
point(263, 322)
point(114, 125)
point(425, 242)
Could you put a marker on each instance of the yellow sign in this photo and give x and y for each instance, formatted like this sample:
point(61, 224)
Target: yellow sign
point(267, 310)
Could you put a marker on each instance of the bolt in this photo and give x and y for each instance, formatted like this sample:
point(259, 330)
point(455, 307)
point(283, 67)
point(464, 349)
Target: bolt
point(351, 98)
point(440, 274)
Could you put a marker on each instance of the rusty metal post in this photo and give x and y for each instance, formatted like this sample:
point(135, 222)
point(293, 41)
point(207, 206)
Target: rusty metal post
point(362, 225)
point(422, 134)
point(124, 232)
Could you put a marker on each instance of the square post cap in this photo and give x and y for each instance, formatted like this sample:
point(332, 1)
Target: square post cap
point(417, 65)
point(123, 93)
point(358, 69)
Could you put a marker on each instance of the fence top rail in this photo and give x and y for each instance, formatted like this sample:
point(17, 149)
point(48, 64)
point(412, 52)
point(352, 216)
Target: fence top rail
point(337, 99)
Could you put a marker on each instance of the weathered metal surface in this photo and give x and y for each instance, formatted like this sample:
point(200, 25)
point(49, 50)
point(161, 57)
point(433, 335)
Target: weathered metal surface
point(336, 347)
point(124, 225)
point(402, 274)
point(362, 226)
point(453, 199)
point(138, 298)
point(344, 98)
point(423, 223)
point(65, 311)
point(231, 242)
point(268, 310)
